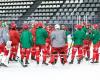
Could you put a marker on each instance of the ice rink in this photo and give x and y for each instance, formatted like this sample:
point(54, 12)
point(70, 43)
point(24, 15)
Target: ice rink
point(83, 71)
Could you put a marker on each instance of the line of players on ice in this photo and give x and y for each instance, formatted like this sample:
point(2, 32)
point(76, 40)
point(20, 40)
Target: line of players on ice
point(52, 40)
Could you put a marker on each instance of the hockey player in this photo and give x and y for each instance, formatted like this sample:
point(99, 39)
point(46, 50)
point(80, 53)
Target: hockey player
point(4, 44)
point(41, 35)
point(33, 50)
point(15, 38)
point(99, 44)
point(65, 28)
point(58, 39)
point(87, 40)
point(95, 40)
point(48, 42)
point(78, 37)
point(26, 40)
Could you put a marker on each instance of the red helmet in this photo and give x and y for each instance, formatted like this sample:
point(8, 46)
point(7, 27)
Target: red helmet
point(25, 26)
point(95, 26)
point(65, 28)
point(39, 24)
point(88, 24)
point(83, 23)
point(35, 25)
point(78, 26)
point(48, 28)
point(12, 25)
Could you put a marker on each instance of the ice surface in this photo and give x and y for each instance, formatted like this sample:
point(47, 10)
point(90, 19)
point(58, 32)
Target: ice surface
point(83, 71)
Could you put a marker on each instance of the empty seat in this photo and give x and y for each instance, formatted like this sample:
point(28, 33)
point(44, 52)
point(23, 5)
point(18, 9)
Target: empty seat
point(87, 13)
point(90, 9)
point(54, 10)
point(44, 22)
point(83, 5)
point(40, 14)
point(36, 18)
point(36, 10)
point(67, 1)
point(73, 5)
point(96, 1)
point(91, 1)
point(77, 13)
point(85, 1)
point(76, 1)
point(82, 13)
point(56, 22)
point(71, 1)
point(61, 22)
point(67, 13)
point(48, 14)
point(64, 6)
point(50, 22)
point(70, 10)
point(57, 13)
point(87, 5)
point(78, 5)
point(95, 9)
point(54, 18)
point(42, 10)
point(51, 10)
point(69, 5)
point(69, 17)
point(85, 9)
point(92, 13)
point(62, 13)
point(51, 14)
point(80, 9)
point(44, 18)
point(75, 22)
point(92, 5)
point(97, 5)
point(36, 14)
point(65, 10)
point(40, 18)
point(74, 17)
point(64, 18)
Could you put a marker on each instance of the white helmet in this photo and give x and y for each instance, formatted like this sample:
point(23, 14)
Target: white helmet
point(57, 26)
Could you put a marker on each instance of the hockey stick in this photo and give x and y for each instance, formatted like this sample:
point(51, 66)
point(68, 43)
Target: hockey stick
point(69, 49)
